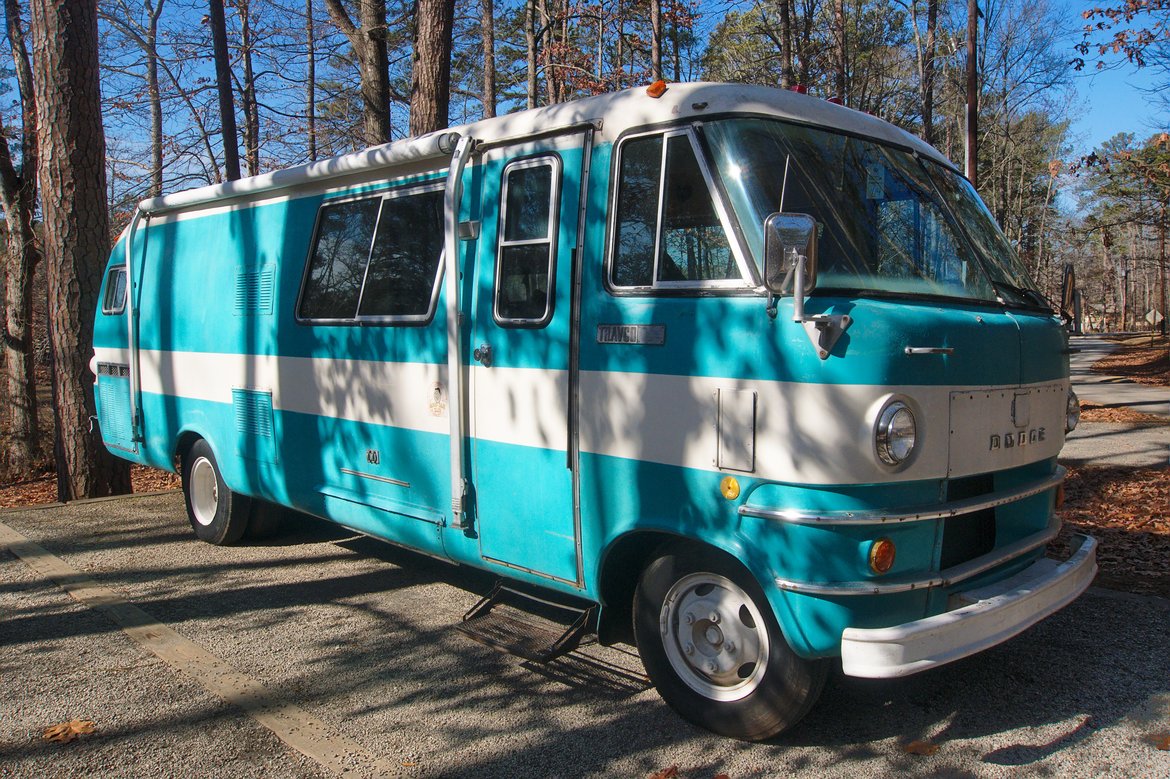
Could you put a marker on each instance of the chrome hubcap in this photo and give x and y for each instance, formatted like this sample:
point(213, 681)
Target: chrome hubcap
point(204, 491)
point(715, 638)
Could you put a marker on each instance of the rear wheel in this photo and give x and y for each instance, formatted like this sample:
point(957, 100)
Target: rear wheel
point(713, 649)
point(218, 515)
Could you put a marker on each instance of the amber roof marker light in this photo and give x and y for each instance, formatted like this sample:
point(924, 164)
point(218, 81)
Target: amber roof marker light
point(657, 89)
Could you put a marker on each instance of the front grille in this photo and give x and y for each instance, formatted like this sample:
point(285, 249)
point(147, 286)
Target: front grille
point(968, 536)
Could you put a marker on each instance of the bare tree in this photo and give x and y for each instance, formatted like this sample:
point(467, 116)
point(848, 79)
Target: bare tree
point(18, 195)
point(310, 81)
point(76, 224)
point(488, 37)
point(369, 47)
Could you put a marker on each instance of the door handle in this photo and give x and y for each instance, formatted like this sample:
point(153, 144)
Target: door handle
point(483, 354)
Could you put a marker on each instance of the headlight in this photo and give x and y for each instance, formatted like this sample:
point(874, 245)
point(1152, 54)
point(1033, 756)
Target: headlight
point(1072, 412)
point(896, 433)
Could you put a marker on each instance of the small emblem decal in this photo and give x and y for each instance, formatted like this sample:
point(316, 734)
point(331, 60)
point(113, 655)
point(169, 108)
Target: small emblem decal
point(642, 335)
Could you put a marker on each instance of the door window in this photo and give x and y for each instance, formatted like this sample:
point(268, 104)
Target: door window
point(527, 246)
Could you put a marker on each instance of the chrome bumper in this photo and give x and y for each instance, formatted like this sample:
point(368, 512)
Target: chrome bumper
point(993, 614)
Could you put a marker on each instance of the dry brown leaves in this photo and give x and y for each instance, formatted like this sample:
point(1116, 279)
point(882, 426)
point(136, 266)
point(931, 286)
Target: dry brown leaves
point(673, 773)
point(1094, 412)
point(1128, 510)
point(43, 489)
point(1140, 360)
point(924, 747)
point(1160, 741)
point(64, 732)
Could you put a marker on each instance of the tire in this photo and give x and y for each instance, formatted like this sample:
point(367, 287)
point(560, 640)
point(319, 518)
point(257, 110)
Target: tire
point(218, 515)
point(735, 674)
point(265, 520)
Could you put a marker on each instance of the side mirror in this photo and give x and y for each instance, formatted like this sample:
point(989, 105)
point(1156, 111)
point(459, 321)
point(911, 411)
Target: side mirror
point(789, 238)
point(1068, 289)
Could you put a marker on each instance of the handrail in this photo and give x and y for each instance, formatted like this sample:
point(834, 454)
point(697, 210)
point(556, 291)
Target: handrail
point(915, 514)
point(452, 194)
point(136, 433)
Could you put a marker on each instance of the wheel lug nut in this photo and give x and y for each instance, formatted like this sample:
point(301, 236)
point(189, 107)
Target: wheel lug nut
point(712, 667)
point(730, 646)
point(714, 617)
point(689, 618)
point(689, 649)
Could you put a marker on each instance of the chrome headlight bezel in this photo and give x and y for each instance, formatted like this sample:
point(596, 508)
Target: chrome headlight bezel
point(1072, 412)
point(895, 435)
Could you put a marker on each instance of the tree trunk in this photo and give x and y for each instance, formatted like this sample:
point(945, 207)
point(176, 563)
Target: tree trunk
point(154, 97)
point(369, 46)
point(839, 42)
point(223, 80)
point(530, 46)
point(488, 31)
point(655, 40)
point(76, 232)
point(18, 195)
point(928, 71)
point(972, 159)
point(430, 92)
point(251, 109)
point(786, 74)
point(311, 81)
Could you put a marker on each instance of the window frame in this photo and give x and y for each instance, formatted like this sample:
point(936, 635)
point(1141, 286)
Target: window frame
point(748, 280)
point(376, 319)
point(115, 310)
point(543, 159)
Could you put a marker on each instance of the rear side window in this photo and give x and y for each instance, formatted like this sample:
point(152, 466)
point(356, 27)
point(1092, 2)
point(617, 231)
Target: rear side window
point(524, 268)
point(375, 259)
point(667, 230)
point(114, 301)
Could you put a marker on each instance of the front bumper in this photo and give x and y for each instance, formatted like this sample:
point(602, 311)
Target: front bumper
point(993, 614)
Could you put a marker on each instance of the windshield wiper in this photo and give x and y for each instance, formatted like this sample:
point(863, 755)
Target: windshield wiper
point(1029, 296)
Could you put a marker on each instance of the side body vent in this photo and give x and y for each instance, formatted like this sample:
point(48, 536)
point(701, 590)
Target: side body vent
point(255, 425)
point(255, 289)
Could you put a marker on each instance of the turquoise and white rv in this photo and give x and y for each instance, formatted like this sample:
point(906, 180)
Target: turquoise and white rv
point(754, 375)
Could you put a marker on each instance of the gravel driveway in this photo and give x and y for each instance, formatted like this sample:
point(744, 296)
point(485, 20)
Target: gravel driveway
point(359, 636)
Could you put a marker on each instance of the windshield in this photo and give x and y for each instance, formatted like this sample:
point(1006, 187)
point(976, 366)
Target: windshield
point(886, 221)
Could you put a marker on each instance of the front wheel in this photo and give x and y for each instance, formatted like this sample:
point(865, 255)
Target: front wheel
point(218, 515)
point(713, 649)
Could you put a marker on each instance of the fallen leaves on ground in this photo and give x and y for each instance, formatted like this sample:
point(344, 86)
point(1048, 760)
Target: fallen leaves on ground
point(665, 773)
point(43, 488)
point(64, 732)
point(1138, 359)
point(1095, 412)
point(1160, 741)
point(1128, 511)
point(924, 747)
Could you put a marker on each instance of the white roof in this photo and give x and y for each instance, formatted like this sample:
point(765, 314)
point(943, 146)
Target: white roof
point(614, 113)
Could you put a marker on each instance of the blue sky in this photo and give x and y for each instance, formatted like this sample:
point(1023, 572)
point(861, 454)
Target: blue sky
point(1116, 100)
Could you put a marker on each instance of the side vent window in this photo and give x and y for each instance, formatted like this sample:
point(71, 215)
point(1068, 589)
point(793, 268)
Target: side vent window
point(524, 267)
point(668, 233)
point(376, 260)
point(114, 301)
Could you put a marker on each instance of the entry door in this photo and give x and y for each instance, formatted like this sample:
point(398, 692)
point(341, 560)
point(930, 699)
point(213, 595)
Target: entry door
point(520, 368)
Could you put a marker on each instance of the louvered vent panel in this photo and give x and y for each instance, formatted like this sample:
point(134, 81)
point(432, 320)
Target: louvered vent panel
point(253, 412)
point(114, 409)
point(255, 288)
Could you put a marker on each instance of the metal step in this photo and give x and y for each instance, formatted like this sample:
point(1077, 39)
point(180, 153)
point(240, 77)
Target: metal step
point(524, 625)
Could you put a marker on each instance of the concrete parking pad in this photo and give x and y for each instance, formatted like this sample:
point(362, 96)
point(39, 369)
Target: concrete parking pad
point(360, 635)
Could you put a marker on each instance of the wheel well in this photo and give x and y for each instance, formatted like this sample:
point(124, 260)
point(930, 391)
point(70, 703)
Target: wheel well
point(620, 569)
point(186, 440)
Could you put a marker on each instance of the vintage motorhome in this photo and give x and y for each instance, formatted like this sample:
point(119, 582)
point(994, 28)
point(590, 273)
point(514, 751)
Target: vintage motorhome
point(755, 375)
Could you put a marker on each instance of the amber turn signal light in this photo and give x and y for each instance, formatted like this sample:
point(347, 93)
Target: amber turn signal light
point(729, 487)
point(881, 555)
point(656, 89)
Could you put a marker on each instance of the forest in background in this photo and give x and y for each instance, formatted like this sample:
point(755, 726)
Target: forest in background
point(199, 91)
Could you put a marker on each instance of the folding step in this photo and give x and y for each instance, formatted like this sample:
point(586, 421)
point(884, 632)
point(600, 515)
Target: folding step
point(524, 625)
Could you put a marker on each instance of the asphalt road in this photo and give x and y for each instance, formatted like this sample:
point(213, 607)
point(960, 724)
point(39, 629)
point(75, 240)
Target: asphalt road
point(359, 637)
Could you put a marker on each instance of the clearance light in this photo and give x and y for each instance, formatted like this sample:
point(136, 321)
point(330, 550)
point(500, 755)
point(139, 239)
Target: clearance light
point(1060, 495)
point(656, 89)
point(881, 555)
point(729, 487)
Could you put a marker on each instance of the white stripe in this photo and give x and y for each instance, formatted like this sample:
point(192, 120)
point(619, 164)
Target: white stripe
point(804, 434)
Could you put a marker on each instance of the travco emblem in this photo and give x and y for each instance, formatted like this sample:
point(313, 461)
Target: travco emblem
point(1013, 439)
